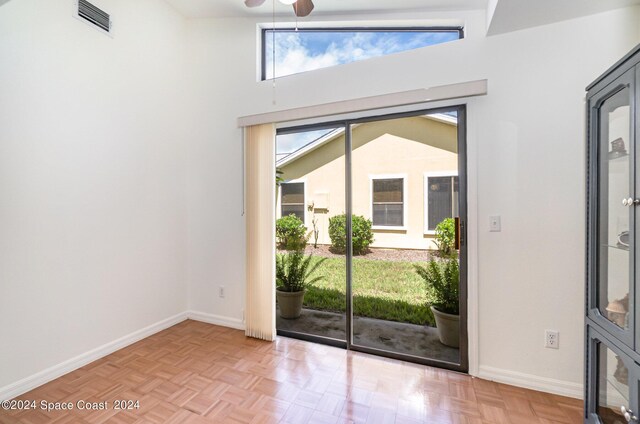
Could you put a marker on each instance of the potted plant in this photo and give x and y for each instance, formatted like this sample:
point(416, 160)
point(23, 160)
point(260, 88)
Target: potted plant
point(443, 280)
point(293, 274)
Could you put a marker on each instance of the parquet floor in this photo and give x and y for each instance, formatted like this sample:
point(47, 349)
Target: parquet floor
point(201, 373)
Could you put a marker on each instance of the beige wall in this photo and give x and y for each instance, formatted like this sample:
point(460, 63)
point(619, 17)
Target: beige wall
point(408, 147)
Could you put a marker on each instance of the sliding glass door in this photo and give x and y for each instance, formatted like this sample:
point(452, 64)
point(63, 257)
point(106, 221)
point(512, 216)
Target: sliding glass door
point(406, 184)
point(383, 204)
point(310, 169)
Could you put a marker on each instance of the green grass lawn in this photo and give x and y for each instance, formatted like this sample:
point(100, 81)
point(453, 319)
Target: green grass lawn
point(381, 289)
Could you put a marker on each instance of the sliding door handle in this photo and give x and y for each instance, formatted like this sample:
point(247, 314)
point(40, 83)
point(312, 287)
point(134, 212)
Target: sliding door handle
point(459, 234)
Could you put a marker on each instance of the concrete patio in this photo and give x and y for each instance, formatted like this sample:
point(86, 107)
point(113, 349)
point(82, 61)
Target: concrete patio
point(410, 339)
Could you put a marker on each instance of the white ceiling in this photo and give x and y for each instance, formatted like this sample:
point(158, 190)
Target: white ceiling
point(512, 15)
point(509, 15)
point(236, 8)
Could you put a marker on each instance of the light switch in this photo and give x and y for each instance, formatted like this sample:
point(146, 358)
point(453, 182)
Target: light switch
point(494, 223)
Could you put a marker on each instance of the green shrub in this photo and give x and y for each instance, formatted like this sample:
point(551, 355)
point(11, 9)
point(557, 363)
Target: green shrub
point(361, 230)
point(290, 233)
point(446, 237)
point(443, 281)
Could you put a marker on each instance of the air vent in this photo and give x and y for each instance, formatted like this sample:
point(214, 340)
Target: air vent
point(95, 16)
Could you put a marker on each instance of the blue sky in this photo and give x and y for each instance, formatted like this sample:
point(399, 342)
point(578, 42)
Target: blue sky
point(289, 143)
point(299, 51)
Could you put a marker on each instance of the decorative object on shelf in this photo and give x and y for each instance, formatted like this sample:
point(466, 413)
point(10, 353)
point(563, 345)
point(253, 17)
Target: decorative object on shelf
point(617, 310)
point(617, 149)
point(623, 239)
point(621, 373)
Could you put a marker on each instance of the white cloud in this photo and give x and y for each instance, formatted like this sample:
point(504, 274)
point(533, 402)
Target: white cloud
point(292, 56)
point(295, 54)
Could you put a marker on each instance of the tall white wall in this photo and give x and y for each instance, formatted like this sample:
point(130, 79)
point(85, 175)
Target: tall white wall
point(92, 179)
point(526, 163)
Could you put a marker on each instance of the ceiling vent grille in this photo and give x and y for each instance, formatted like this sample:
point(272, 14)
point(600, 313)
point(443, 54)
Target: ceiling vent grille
point(94, 15)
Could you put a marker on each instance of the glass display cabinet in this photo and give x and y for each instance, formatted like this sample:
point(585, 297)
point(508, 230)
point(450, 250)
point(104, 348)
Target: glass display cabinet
point(613, 217)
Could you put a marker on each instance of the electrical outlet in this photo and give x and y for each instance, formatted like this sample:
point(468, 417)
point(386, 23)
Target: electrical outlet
point(552, 339)
point(221, 291)
point(494, 224)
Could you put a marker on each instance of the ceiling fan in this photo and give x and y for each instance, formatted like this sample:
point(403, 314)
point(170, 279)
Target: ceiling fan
point(301, 8)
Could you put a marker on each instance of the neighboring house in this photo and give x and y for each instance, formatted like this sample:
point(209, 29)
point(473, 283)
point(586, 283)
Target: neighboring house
point(404, 179)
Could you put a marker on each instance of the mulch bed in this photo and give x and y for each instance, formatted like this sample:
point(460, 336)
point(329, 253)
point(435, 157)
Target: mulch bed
point(375, 254)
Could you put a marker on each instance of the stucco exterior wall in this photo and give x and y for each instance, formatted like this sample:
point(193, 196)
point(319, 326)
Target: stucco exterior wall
point(405, 147)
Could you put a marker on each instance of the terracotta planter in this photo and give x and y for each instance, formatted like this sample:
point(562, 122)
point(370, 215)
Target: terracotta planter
point(448, 328)
point(290, 303)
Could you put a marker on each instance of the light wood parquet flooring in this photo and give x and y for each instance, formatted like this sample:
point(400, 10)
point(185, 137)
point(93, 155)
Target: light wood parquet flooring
point(200, 373)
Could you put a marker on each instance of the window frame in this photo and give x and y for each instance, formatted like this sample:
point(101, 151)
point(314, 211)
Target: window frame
point(405, 198)
point(265, 29)
point(425, 199)
point(302, 181)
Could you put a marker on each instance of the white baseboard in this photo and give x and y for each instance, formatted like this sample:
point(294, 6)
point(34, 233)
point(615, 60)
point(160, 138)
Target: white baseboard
point(10, 391)
point(534, 382)
point(236, 323)
point(22, 386)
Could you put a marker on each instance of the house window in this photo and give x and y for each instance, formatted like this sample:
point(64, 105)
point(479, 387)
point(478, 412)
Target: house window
point(388, 202)
point(308, 49)
point(292, 201)
point(441, 199)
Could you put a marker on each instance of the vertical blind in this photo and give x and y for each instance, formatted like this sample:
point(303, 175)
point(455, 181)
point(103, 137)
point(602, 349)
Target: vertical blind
point(260, 169)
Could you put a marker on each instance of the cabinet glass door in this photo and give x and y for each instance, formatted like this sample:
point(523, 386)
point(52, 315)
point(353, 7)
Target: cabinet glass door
point(613, 387)
point(616, 204)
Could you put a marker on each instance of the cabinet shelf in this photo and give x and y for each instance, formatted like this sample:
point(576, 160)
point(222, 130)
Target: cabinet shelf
point(616, 246)
point(616, 157)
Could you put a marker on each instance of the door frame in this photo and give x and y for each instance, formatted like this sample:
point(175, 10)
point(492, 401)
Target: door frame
point(463, 365)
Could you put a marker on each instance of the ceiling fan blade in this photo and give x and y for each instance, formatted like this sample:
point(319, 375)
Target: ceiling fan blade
point(253, 3)
point(303, 7)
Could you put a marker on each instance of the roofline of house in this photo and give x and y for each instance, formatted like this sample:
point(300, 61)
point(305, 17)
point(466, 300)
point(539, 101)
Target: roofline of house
point(308, 148)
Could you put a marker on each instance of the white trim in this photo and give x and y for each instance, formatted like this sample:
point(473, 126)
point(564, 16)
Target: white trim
point(443, 117)
point(235, 323)
point(368, 114)
point(473, 314)
point(26, 384)
point(425, 197)
point(405, 203)
point(412, 97)
point(371, 23)
point(29, 383)
point(534, 382)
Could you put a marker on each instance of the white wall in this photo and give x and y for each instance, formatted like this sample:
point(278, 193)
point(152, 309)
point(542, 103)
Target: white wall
point(526, 161)
point(92, 179)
